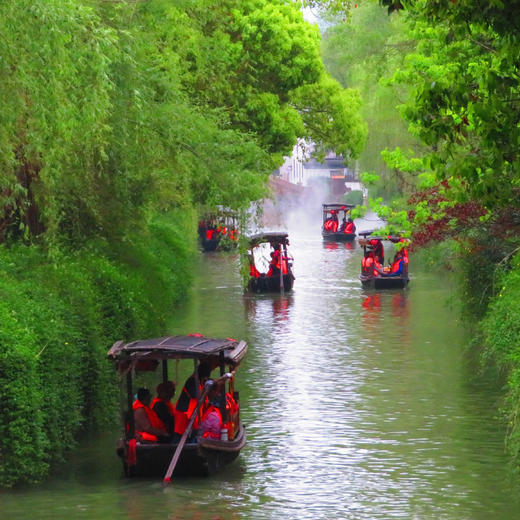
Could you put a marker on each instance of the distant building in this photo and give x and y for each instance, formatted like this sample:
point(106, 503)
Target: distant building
point(299, 169)
point(292, 168)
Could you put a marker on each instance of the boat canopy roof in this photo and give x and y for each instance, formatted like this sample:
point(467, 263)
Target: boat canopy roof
point(271, 237)
point(329, 207)
point(192, 346)
point(368, 236)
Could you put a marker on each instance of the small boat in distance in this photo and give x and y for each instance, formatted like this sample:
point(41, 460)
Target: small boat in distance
point(373, 271)
point(270, 266)
point(337, 225)
point(199, 456)
point(219, 232)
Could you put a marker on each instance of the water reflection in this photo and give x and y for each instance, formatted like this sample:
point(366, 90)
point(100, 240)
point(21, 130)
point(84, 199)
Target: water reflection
point(349, 246)
point(274, 308)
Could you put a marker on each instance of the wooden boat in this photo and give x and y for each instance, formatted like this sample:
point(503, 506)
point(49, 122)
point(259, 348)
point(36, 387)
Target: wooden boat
point(199, 456)
point(336, 223)
point(279, 276)
point(378, 276)
point(219, 231)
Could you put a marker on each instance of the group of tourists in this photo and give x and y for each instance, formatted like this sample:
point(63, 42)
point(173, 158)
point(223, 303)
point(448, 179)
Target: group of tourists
point(159, 420)
point(374, 259)
point(332, 223)
point(212, 231)
point(278, 261)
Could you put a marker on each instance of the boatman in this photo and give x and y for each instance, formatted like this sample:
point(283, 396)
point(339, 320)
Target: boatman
point(188, 399)
point(211, 424)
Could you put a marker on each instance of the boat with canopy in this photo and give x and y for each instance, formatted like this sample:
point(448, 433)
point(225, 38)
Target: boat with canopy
point(185, 456)
point(270, 265)
point(338, 225)
point(373, 271)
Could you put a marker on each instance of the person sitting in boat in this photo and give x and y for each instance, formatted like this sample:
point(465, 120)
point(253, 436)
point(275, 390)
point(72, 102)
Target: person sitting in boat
point(274, 264)
point(212, 423)
point(210, 232)
point(370, 264)
point(148, 426)
point(253, 271)
point(331, 224)
point(347, 226)
point(188, 399)
point(163, 406)
point(378, 250)
point(397, 267)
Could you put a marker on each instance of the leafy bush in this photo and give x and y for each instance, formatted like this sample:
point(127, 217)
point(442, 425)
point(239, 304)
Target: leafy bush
point(501, 329)
point(58, 320)
point(354, 197)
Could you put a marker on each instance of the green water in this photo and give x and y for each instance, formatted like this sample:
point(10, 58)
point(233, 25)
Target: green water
point(358, 405)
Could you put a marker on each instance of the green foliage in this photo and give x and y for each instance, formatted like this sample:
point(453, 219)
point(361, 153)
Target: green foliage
point(354, 197)
point(54, 377)
point(501, 329)
point(361, 54)
point(118, 120)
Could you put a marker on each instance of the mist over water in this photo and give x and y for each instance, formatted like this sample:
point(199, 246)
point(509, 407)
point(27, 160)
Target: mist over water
point(358, 405)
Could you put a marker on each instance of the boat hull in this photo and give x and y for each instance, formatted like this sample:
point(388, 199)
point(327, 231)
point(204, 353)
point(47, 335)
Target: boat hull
point(270, 283)
point(338, 236)
point(210, 245)
point(384, 282)
point(202, 458)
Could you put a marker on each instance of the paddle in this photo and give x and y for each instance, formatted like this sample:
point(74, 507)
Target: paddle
point(168, 477)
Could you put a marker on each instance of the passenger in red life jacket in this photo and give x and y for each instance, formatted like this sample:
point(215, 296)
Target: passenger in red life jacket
point(347, 226)
point(163, 406)
point(331, 224)
point(370, 265)
point(397, 266)
point(148, 427)
point(278, 261)
point(378, 249)
point(212, 423)
point(253, 271)
point(187, 401)
point(211, 233)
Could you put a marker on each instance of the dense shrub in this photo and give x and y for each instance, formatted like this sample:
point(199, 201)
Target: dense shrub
point(501, 328)
point(354, 197)
point(59, 319)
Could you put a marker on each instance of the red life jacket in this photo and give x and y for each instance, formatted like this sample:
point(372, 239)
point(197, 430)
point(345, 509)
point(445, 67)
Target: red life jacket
point(396, 265)
point(253, 271)
point(280, 259)
point(232, 409)
point(152, 418)
point(169, 404)
point(331, 224)
point(349, 228)
point(183, 418)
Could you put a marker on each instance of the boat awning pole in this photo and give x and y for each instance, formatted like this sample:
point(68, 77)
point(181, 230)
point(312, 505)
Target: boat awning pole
point(130, 402)
point(283, 253)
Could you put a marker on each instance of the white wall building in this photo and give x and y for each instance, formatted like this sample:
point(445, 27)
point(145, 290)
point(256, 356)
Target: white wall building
point(300, 169)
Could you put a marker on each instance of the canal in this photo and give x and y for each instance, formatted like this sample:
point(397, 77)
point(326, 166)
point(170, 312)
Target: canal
point(358, 405)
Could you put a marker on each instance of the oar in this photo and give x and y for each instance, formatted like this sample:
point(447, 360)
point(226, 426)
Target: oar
point(168, 477)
